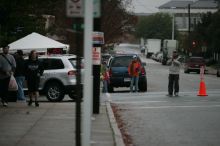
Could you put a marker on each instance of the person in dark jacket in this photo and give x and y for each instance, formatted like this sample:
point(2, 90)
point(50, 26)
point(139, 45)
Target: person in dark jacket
point(19, 74)
point(7, 66)
point(33, 72)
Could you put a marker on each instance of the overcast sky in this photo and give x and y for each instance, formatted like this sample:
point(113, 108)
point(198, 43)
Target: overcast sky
point(147, 6)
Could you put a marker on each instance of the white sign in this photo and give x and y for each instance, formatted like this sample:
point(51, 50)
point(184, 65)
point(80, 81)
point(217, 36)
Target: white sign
point(98, 37)
point(74, 8)
point(96, 55)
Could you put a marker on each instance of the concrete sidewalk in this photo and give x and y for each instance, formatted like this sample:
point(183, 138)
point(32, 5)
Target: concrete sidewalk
point(51, 124)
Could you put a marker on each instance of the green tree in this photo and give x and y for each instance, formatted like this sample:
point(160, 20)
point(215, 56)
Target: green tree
point(21, 17)
point(158, 25)
point(116, 19)
point(208, 32)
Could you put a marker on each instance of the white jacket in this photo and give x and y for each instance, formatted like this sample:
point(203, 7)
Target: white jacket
point(175, 66)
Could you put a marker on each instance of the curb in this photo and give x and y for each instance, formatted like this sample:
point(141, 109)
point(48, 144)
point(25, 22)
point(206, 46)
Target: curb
point(117, 134)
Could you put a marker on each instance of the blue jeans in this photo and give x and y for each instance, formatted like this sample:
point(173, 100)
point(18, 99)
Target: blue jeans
point(105, 86)
point(20, 93)
point(134, 83)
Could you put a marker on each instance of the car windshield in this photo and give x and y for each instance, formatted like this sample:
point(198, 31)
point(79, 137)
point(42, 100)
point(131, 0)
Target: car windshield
point(122, 61)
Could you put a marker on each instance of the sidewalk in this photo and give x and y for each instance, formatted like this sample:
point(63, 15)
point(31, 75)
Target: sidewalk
point(51, 124)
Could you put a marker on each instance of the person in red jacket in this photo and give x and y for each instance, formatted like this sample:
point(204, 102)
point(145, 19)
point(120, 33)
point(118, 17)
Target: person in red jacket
point(104, 76)
point(134, 70)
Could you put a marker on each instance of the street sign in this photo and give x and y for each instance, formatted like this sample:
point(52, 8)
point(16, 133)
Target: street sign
point(75, 8)
point(98, 38)
point(96, 8)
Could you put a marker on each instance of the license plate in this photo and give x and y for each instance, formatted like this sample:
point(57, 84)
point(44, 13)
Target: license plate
point(127, 79)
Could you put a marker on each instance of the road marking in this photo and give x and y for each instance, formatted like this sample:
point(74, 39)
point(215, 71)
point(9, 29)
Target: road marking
point(136, 102)
point(180, 106)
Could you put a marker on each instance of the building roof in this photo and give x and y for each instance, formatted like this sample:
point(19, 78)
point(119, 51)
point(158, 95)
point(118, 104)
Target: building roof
point(176, 4)
point(205, 4)
point(199, 4)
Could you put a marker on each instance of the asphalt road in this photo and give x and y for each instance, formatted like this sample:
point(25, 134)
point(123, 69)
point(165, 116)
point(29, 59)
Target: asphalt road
point(153, 119)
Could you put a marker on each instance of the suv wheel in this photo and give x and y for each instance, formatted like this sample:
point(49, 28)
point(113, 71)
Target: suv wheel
point(54, 91)
point(73, 95)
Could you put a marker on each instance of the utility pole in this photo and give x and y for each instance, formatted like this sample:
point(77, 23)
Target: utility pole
point(189, 31)
point(173, 22)
point(97, 66)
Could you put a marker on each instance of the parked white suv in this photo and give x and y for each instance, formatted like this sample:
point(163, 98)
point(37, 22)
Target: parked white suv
point(59, 77)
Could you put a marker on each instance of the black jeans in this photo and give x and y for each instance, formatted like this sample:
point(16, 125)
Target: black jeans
point(173, 83)
point(4, 88)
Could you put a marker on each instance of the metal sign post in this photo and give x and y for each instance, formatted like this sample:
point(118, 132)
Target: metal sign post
point(98, 41)
point(87, 92)
point(74, 10)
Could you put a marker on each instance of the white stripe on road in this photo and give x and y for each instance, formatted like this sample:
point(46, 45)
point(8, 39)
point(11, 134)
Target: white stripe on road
point(181, 106)
point(136, 102)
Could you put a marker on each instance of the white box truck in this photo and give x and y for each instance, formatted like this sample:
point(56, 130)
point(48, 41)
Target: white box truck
point(152, 46)
point(167, 48)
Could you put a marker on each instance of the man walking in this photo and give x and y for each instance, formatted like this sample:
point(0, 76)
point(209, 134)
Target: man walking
point(7, 67)
point(174, 71)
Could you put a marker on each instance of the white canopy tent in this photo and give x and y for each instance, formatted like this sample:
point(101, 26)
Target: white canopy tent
point(35, 41)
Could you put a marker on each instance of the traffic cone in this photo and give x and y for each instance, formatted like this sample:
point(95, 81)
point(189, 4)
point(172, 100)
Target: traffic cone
point(202, 89)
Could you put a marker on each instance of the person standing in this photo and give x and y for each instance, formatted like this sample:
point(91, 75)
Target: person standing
point(33, 70)
point(174, 70)
point(19, 74)
point(134, 70)
point(104, 77)
point(7, 67)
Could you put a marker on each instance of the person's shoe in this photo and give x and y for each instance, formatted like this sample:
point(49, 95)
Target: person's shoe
point(30, 102)
point(176, 94)
point(169, 95)
point(36, 104)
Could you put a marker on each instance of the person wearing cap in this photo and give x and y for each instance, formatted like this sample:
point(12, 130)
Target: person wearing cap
point(134, 70)
point(20, 74)
point(7, 67)
point(174, 70)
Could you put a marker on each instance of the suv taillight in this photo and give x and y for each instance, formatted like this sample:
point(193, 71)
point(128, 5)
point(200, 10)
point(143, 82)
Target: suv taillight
point(71, 73)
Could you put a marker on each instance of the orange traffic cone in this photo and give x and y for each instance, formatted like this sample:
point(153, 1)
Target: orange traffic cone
point(202, 89)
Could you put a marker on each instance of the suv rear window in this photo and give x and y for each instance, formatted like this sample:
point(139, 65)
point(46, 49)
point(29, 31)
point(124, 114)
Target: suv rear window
point(200, 60)
point(122, 61)
point(50, 64)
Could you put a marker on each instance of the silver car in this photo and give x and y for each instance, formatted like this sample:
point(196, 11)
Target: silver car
point(59, 77)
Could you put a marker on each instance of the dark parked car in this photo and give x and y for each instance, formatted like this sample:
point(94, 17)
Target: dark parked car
point(193, 64)
point(118, 71)
point(218, 70)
